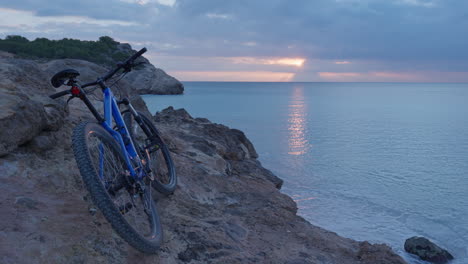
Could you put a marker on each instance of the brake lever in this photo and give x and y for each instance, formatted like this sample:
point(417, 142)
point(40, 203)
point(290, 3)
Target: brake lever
point(127, 67)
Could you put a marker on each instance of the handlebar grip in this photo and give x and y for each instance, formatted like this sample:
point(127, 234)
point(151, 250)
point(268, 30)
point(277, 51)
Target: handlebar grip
point(59, 94)
point(136, 55)
point(128, 62)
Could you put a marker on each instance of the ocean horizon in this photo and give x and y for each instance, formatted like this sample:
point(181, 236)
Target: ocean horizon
point(188, 82)
point(371, 161)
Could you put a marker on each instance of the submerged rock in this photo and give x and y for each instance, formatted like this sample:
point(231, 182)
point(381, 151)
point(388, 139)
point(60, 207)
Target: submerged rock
point(427, 250)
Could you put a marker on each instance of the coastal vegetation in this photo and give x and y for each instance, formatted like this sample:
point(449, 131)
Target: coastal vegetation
point(105, 51)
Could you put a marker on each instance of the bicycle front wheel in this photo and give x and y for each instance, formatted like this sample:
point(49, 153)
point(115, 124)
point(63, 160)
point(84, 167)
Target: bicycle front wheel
point(125, 203)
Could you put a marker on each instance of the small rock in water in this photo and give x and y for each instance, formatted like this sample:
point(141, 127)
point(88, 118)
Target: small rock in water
point(427, 250)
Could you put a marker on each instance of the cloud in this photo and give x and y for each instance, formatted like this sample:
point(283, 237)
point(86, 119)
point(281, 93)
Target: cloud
point(28, 21)
point(250, 43)
point(339, 75)
point(423, 3)
point(218, 16)
point(229, 76)
point(105, 9)
point(375, 35)
point(394, 76)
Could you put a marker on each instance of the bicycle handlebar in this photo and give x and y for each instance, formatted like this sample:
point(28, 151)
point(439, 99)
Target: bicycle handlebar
point(136, 55)
point(125, 64)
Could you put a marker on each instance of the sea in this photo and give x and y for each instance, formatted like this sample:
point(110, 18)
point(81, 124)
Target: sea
point(380, 162)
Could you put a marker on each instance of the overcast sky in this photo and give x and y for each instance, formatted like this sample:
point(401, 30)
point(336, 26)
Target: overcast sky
point(267, 40)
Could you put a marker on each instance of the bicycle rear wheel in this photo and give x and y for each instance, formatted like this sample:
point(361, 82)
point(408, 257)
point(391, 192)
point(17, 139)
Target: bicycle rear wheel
point(154, 151)
point(126, 204)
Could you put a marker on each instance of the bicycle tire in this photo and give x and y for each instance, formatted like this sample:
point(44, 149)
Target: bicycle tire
point(103, 193)
point(165, 177)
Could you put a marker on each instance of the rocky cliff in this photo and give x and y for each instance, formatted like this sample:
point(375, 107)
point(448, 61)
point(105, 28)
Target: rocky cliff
point(145, 78)
point(148, 79)
point(227, 208)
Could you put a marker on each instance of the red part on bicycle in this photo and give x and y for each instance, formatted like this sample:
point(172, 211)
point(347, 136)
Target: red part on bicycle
point(75, 90)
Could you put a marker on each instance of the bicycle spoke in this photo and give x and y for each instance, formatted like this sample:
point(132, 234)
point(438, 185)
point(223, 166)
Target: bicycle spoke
point(153, 154)
point(126, 198)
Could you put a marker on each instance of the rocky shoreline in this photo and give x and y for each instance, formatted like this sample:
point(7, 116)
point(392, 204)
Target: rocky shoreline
point(227, 208)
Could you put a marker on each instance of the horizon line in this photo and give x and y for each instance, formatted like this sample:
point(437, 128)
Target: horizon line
point(322, 82)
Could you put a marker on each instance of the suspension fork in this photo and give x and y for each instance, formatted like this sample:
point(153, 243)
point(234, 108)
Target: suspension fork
point(136, 116)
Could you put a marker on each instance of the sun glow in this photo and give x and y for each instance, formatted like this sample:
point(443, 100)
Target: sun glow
point(234, 76)
point(296, 62)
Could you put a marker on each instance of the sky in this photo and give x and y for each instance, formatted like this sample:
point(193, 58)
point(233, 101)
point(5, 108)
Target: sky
point(267, 40)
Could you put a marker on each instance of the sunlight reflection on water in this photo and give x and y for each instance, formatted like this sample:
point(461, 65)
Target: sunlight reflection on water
point(389, 161)
point(297, 122)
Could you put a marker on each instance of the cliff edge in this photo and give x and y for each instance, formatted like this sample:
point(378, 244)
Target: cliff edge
point(227, 207)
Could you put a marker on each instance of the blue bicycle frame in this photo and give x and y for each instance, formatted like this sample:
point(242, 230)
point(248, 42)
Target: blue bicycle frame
point(112, 111)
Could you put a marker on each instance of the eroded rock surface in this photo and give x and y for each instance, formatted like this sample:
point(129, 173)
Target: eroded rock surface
point(26, 111)
point(227, 207)
point(148, 79)
point(151, 80)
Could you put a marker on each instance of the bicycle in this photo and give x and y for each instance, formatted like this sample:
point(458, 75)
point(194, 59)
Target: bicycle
point(119, 163)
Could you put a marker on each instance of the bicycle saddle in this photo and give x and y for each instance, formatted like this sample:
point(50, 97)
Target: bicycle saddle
point(62, 76)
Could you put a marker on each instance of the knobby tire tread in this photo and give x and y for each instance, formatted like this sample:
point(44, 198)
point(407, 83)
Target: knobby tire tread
point(101, 198)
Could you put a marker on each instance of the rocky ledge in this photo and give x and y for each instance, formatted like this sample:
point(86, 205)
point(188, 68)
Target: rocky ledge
point(227, 207)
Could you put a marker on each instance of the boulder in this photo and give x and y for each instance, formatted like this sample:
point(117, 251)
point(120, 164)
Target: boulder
point(25, 110)
point(25, 107)
point(151, 80)
point(223, 147)
point(427, 250)
point(147, 79)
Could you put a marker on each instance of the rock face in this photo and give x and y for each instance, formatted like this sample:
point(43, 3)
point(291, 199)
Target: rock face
point(427, 250)
point(26, 109)
point(227, 207)
point(152, 80)
point(148, 79)
point(145, 78)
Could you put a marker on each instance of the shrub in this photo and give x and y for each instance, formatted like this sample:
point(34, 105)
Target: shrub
point(105, 51)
